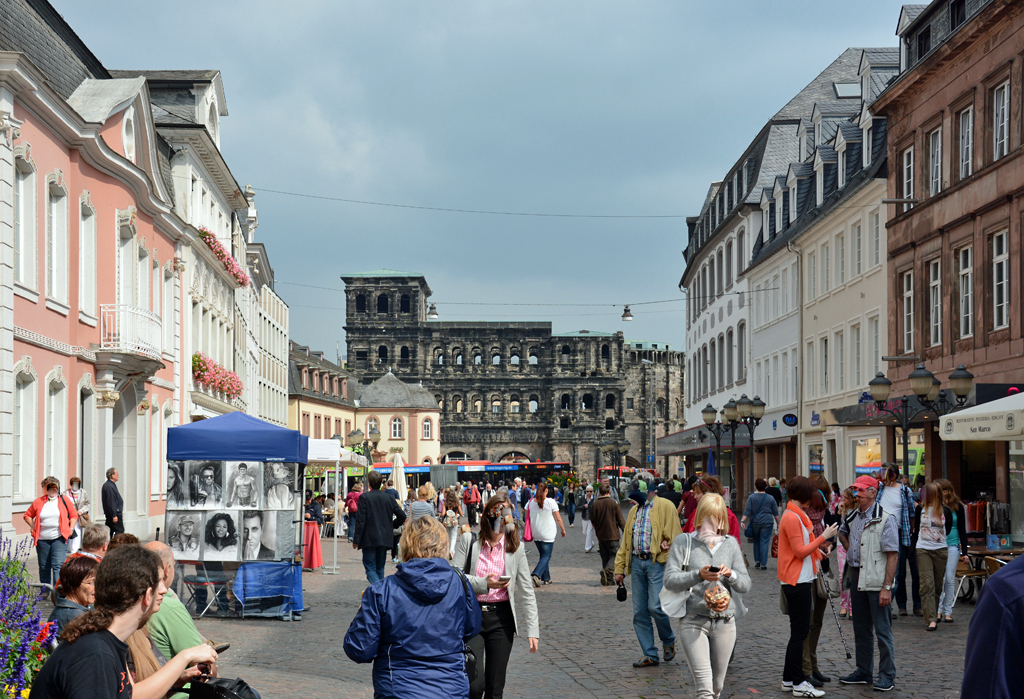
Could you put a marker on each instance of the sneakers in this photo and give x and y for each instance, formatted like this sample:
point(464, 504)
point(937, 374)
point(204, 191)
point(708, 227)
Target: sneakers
point(787, 686)
point(804, 689)
point(646, 662)
point(855, 679)
point(883, 685)
point(670, 652)
point(536, 580)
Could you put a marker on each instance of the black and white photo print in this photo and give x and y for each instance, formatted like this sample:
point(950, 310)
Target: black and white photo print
point(177, 488)
point(220, 539)
point(206, 484)
point(184, 532)
point(258, 527)
point(244, 484)
point(279, 491)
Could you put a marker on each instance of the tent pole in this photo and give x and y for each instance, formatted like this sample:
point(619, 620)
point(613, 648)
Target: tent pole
point(333, 570)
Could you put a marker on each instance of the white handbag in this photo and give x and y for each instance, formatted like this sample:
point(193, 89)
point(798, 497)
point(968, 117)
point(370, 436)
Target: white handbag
point(674, 603)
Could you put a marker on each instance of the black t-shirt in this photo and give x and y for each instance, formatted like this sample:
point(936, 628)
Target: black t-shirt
point(673, 496)
point(93, 667)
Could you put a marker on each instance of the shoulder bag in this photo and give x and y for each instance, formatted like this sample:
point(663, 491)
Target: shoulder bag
point(467, 652)
point(527, 531)
point(749, 531)
point(674, 603)
point(825, 585)
point(67, 511)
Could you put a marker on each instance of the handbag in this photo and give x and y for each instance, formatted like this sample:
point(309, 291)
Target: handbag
point(469, 657)
point(74, 534)
point(621, 593)
point(674, 603)
point(527, 531)
point(222, 688)
point(749, 531)
point(825, 585)
point(775, 546)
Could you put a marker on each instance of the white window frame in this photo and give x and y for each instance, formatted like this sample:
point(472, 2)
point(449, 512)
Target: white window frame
point(826, 269)
point(857, 356)
point(876, 345)
point(935, 162)
point(907, 281)
point(25, 225)
point(1001, 121)
point(25, 423)
point(841, 168)
point(841, 257)
point(428, 428)
point(840, 350)
point(966, 118)
point(57, 242)
point(397, 428)
point(87, 258)
point(823, 343)
point(907, 173)
point(876, 238)
point(812, 263)
point(858, 249)
point(965, 273)
point(935, 302)
point(1000, 281)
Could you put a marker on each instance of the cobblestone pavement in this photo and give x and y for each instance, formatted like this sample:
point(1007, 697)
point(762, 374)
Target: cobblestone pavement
point(587, 643)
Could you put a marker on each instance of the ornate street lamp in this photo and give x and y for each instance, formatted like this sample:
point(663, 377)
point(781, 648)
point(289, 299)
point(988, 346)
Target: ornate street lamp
point(743, 412)
point(931, 397)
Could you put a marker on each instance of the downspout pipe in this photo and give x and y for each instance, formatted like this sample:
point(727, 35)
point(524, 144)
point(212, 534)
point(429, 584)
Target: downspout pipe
point(800, 347)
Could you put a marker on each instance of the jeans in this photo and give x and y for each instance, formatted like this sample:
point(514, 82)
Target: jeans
point(871, 619)
point(471, 513)
point(814, 633)
point(646, 576)
point(932, 567)
point(544, 548)
point(374, 558)
point(570, 510)
point(762, 543)
point(949, 581)
point(798, 598)
point(51, 555)
point(492, 647)
point(900, 590)
point(708, 645)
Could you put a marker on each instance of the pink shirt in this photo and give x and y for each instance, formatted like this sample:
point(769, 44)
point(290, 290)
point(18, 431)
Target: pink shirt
point(492, 562)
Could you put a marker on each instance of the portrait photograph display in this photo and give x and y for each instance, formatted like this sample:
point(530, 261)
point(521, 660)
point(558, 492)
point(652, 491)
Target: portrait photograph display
point(221, 536)
point(206, 484)
point(279, 487)
point(184, 533)
point(231, 510)
point(243, 485)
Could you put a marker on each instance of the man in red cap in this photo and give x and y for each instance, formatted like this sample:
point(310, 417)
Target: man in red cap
point(872, 540)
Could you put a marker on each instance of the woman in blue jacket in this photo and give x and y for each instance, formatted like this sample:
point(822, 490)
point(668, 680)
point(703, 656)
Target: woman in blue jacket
point(413, 625)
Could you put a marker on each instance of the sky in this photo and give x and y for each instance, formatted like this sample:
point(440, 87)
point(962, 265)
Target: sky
point(557, 107)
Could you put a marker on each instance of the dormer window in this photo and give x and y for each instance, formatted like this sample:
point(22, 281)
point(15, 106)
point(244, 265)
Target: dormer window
point(792, 202)
point(924, 41)
point(842, 168)
point(212, 124)
point(128, 134)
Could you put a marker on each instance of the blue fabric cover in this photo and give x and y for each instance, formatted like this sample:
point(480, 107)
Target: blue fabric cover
point(260, 580)
point(236, 437)
point(412, 626)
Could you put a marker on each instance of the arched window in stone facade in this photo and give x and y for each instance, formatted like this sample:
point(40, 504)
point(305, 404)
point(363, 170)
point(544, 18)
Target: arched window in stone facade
point(406, 304)
point(588, 402)
point(477, 404)
point(566, 401)
point(566, 354)
point(534, 404)
point(513, 405)
point(382, 354)
point(534, 358)
point(495, 404)
point(457, 403)
point(609, 402)
point(514, 357)
point(382, 303)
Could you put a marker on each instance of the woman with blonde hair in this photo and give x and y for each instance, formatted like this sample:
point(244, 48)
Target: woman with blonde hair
point(956, 541)
point(708, 563)
point(497, 569)
point(933, 522)
point(413, 625)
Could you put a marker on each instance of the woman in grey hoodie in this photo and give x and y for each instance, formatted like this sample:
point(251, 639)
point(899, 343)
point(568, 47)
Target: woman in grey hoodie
point(708, 635)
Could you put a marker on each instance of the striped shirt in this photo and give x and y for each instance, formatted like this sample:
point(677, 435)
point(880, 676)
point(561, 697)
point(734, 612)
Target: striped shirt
point(642, 528)
point(492, 562)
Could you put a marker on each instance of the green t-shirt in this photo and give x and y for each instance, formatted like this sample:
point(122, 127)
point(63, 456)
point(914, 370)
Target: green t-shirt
point(678, 485)
point(173, 630)
point(643, 485)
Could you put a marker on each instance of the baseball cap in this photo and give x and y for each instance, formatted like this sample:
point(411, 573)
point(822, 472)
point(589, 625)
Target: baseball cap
point(864, 482)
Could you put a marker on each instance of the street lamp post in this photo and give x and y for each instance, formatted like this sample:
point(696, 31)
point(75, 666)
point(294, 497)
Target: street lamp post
point(716, 427)
point(366, 445)
point(749, 413)
point(931, 398)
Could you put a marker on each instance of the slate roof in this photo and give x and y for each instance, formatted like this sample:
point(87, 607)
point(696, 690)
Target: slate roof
point(909, 13)
point(300, 355)
point(192, 76)
point(820, 91)
point(781, 149)
point(828, 154)
point(94, 100)
point(804, 169)
point(881, 56)
point(880, 79)
point(389, 392)
point(851, 132)
point(36, 29)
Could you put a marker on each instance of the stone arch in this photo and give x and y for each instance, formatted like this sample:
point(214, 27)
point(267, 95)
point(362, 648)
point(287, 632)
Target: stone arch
point(587, 402)
point(514, 457)
point(457, 403)
point(513, 358)
point(405, 304)
point(513, 404)
point(457, 356)
point(534, 404)
point(609, 402)
point(566, 354)
point(382, 354)
point(534, 357)
point(565, 401)
point(360, 303)
point(383, 304)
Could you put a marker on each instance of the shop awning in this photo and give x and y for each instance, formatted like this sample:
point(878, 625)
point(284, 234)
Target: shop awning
point(994, 421)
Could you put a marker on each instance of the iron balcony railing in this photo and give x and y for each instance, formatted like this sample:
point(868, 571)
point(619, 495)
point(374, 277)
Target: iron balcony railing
point(129, 329)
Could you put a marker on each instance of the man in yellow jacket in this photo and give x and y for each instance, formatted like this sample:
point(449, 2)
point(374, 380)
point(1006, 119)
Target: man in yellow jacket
point(650, 530)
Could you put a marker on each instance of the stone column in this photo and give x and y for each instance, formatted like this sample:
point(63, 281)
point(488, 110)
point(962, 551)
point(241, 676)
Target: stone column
point(106, 398)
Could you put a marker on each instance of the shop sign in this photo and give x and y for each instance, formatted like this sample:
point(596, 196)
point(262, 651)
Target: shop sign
point(815, 419)
point(790, 420)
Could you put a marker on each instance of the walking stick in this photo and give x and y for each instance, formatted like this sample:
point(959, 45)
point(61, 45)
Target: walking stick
point(836, 615)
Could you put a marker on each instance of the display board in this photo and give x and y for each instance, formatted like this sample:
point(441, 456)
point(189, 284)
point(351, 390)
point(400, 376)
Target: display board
point(232, 510)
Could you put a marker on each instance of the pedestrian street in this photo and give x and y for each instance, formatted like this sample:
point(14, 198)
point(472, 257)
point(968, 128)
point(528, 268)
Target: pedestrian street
point(587, 643)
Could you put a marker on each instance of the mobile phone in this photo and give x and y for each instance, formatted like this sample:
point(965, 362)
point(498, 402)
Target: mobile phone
point(713, 569)
point(504, 578)
point(204, 669)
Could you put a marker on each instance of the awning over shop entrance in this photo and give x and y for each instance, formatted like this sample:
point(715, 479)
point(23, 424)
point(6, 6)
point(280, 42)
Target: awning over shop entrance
point(998, 420)
point(698, 439)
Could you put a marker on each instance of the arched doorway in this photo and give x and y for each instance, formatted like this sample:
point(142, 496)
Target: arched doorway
point(514, 457)
point(455, 456)
point(126, 448)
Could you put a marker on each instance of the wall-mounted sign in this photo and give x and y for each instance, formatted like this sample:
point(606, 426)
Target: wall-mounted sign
point(815, 419)
point(790, 420)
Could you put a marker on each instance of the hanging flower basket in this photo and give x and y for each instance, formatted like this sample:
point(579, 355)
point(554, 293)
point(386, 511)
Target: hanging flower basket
point(222, 254)
point(210, 374)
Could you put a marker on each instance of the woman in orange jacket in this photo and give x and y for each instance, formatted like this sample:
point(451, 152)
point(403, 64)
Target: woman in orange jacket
point(799, 554)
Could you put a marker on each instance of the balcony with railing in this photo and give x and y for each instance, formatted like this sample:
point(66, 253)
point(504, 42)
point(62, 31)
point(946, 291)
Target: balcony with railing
point(126, 329)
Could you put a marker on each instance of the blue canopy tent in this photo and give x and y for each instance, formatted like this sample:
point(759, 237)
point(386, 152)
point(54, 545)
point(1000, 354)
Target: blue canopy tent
point(236, 437)
point(262, 588)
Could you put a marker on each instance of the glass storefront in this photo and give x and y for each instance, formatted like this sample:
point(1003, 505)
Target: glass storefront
point(816, 458)
point(916, 452)
point(867, 455)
